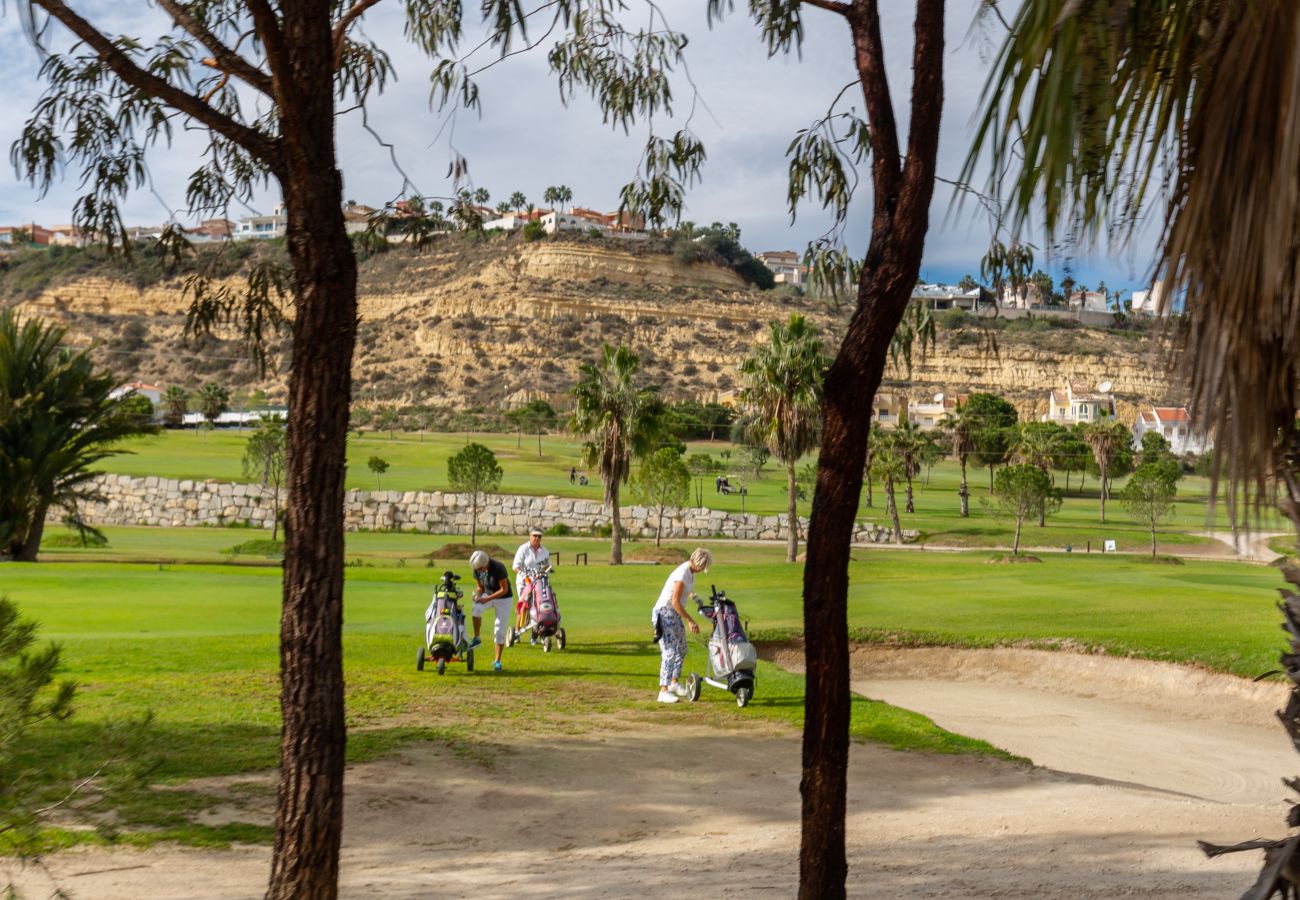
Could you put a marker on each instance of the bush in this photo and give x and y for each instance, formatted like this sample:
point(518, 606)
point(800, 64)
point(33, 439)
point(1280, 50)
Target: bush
point(256, 547)
point(953, 319)
point(559, 530)
point(534, 230)
point(602, 531)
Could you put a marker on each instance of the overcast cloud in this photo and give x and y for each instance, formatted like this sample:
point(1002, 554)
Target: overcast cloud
point(526, 139)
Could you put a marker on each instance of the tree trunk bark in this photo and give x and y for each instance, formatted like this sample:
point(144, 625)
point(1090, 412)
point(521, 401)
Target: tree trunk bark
point(473, 522)
point(911, 507)
point(792, 511)
point(615, 527)
point(309, 809)
point(275, 512)
point(1153, 540)
point(901, 203)
point(964, 491)
point(991, 465)
point(891, 506)
point(1103, 494)
point(31, 545)
point(659, 526)
point(539, 443)
point(1015, 546)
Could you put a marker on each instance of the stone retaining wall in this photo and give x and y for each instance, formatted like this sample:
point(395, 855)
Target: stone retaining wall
point(179, 504)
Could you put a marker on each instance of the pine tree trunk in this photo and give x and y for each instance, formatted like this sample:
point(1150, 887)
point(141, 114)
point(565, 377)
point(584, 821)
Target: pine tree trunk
point(615, 526)
point(792, 510)
point(309, 809)
point(901, 203)
point(1153, 539)
point(1015, 546)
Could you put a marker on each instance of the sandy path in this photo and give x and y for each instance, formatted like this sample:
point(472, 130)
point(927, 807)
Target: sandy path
point(684, 811)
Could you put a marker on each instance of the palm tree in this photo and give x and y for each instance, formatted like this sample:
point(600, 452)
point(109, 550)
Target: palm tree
point(503, 207)
point(57, 420)
point(1192, 105)
point(213, 401)
point(481, 196)
point(620, 418)
point(518, 201)
point(873, 438)
point(783, 388)
point(564, 195)
point(888, 468)
point(1104, 437)
point(908, 442)
point(961, 426)
point(551, 195)
point(1037, 444)
point(175, 403)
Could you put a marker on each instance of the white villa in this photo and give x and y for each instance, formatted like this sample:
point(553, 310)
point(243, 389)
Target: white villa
point(1076, 403)
point(262, 227)
point(947, 296)
point(786, 266)
point(150, 391)
point(1175, 425)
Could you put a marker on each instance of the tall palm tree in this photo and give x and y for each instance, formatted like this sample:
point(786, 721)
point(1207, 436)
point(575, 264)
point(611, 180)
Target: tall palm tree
point(482, 196)
point(565, 195)
point(1104, 437)
point(57, 419)
point(551, 195)
point(518, 201)
point(961, 426)
point(175, 404)
point(888, 467)
point(783, 388)
point(910, 443)
point(620, 418)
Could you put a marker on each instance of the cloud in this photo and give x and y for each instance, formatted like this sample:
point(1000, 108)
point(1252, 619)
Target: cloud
point(750, 106)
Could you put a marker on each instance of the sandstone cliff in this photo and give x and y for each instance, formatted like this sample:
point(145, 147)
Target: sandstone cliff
point(466, 325)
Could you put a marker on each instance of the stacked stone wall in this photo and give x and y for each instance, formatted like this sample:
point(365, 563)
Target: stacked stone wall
point(181, 504)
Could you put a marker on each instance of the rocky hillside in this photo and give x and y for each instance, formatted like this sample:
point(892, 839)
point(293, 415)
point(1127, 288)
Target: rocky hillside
point(493, 323)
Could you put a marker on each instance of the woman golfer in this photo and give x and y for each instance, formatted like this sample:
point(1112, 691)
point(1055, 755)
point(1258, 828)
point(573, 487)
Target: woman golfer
point(667, 618)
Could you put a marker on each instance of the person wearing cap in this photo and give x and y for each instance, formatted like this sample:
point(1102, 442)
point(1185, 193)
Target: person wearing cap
point(666, 618)
point(493, 592)
point(529, 555)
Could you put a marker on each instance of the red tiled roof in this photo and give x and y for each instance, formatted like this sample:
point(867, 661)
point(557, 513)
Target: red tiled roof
point(1172, 413)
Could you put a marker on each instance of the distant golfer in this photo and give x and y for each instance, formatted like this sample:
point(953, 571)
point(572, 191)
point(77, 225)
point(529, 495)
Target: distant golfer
point(667, 616)
point(493, 592)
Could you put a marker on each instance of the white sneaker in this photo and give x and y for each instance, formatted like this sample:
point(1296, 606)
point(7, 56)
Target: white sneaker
point(667, 697)
point(679, 689)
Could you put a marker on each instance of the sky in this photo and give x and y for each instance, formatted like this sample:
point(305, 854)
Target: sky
point(526, 139)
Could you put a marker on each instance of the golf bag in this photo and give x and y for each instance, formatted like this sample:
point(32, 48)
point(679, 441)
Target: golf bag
point(444, 622)
point(543, 609)
point(731, 655)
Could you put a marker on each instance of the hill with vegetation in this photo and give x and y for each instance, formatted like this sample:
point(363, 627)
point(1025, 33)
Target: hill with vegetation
point(481, 324)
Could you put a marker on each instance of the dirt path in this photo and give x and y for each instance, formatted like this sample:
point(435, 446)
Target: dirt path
point(684, 811)
point(1253, 547)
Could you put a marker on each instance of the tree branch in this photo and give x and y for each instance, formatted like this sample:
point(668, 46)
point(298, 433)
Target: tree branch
point(227, 60)
point(356, 11)
point(927, 92)
point(869, 57)
point(255, 142)
point(831, 5)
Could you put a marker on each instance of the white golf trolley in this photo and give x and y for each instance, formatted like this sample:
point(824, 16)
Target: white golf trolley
point(732, 658)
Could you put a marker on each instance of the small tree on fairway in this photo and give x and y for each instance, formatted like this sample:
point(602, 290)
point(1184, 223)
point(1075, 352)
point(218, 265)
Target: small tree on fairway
point(537, 416)
point(379, 466)
point(388, 419)
point(1149, 496)
point(1107, 438)
point(700, 465)
point(361, 417)
point(474, 471)
point(663, 481)
point(176, 403)
point(888, 467)
point(1022, 491)
point(264, 460)
point(961, 426)
point(995, 421)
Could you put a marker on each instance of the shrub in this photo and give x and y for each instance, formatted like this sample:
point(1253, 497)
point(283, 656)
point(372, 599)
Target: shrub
point(534, 230)
point(559, 529)
point(954, 319)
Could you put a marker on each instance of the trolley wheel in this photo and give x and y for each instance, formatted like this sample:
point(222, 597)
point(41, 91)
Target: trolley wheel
point(442, 666)
point(511, 636)
point(546, 645)
point(693, 687)
point(469, 660)
point(562, 637)
point(743, 696)
point(419, 661)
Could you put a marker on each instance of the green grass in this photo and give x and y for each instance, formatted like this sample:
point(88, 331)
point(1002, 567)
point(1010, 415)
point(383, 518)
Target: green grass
point(419, 462)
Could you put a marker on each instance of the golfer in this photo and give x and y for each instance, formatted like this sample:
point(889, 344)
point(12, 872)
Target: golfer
point(667, 618)
point(526, 557)
point(493, 593)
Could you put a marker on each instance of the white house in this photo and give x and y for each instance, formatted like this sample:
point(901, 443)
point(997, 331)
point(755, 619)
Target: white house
point(1175, 425)
point(1076, 403)
point(947, 296)
point(786, 266)
point(928, 415)
point(1151, 302)
point(1089, 301)
point(150, 391)
point(887, 409)
point(262, 227)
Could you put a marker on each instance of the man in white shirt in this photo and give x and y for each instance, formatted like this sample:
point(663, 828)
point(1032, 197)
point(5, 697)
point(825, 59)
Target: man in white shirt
point(526, 557)
point(529, 555)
